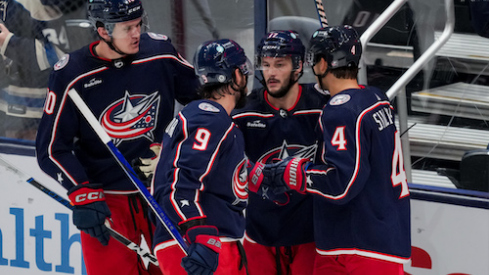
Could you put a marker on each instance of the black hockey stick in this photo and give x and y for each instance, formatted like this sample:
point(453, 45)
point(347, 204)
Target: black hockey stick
point(321, 13)
point(126, 167)
point(116, 235)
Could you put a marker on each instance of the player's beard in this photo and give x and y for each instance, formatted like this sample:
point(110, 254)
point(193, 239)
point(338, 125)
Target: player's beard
point(284, 89)
point(241, 98)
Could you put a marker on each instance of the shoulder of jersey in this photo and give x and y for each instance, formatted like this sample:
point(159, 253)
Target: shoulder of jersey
point(71, 58)
point(314, 94)
point(339, 99)
point(62, 62)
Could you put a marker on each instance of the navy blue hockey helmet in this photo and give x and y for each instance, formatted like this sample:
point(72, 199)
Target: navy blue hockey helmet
point(215, 61)
point(110, 12)
point(280, 44)
point(340, 46)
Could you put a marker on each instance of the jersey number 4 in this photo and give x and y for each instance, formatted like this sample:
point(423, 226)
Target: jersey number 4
point(398, 176)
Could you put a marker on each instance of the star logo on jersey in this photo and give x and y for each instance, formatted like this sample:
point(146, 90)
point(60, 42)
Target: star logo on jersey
point(60, 177)
point(286, 150)
point(240, 182)
point(184, 203)
point(131, 117)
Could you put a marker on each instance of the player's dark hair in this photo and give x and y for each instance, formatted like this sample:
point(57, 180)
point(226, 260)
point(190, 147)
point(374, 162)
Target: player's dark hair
point(217, 90)
point(345, 72)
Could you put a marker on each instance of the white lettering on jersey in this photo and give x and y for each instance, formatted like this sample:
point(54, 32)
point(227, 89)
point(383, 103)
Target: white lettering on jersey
point(383, 117)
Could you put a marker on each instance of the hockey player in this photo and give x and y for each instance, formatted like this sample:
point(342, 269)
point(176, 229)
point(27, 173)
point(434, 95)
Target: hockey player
point(201, 178)
point(33, 36)
point(130, 81)
point(279, 120)
point(361, 197)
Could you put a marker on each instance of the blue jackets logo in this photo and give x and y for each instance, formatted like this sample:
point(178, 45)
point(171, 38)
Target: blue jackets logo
point(131, 117)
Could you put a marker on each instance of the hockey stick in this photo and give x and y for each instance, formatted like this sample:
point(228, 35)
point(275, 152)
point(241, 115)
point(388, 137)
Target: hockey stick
point(321, 13)
point(104, 137)
point(116, 235)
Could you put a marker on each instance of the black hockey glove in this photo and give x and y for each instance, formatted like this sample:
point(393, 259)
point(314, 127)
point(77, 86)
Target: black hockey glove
point(203, 252)
point(145, 167)
point(268, 180)
point(90, 210)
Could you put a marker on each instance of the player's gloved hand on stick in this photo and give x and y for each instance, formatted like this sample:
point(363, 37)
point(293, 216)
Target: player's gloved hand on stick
point(203, 252)
point(280, 177)
point(90, 210)
point(145, 167)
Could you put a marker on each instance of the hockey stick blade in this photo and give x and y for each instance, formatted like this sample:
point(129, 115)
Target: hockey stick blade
point(116, 235)
point(127, 168)
point(321, 13)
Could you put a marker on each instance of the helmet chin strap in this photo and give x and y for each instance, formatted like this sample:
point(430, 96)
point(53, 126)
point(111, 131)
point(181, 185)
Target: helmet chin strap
point(112, 47)
point(321, 76)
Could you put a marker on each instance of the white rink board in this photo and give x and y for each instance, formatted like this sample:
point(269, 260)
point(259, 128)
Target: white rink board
point(454, 238)
point(37, 234)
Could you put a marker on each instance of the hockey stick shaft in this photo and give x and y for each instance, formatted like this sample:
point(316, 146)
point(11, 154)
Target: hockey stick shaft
point(116, 235)
point(104, 137)
point(321, 13)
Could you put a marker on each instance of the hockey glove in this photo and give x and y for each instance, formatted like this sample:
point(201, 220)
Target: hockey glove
point(203, 252)
point(145, 167)
point(280, 177)
point(90, 210)
point(260, 182)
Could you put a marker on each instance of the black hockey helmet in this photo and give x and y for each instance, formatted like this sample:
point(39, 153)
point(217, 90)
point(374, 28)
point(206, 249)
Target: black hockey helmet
point(340, 46)
point(280, 44)
point(215, 61)
point(110, 12)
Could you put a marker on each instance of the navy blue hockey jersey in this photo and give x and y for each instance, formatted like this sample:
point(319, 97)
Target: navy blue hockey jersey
point(272, 133)
point(361, 202)
point(132, 97)
point(202, 171)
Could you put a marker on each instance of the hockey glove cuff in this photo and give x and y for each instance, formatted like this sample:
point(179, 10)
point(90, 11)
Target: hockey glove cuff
point(294, 173)
point(260, 181)
point(204, 249)
point(90, 211)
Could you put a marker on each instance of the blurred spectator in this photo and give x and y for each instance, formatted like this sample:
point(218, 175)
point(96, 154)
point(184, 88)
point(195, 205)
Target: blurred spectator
point(34, 34)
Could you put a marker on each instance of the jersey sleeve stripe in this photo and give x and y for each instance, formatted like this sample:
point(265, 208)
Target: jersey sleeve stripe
point(56, 121)
point(252, 114)
point(307, 112)
point(211, 162)
point(164, 56)
point(177, 173)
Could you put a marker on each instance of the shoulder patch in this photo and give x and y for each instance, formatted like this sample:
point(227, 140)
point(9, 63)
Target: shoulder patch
point(339, 99)
point(62, 62)
point(208, 107)
point(156, 36)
